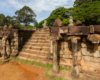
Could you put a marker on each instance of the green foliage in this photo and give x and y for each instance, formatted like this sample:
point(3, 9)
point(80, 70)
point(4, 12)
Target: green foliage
point(88, 12)
point(58, 13)
point(85, 11)
point(79, 2)
point(2, 18)
point(29, 27)
point(26, 15)
point(7, 20)
point(65, 22)
point(61, 13)
point(40, 24)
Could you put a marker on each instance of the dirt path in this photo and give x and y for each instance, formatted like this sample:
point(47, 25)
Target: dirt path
point(16, 71)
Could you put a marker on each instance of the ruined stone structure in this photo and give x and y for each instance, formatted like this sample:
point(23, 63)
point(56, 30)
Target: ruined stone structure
point(39, 47)
point(76, 46)
point(9, 42)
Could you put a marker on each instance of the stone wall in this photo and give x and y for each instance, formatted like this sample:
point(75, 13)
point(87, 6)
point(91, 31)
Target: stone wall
point(14, 42)
point(35, 46)
point(0, 46)
point(88, 55)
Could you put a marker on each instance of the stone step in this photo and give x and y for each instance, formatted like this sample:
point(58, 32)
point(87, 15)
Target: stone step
point(26, 54)
point(37, 34)
point(40, 37)
point(28, 46)
point(45, 61)
point(32, 57)
point(35, 51)
point(37, 44)
point(41, 32)
point(38, 41)
point(36, 48)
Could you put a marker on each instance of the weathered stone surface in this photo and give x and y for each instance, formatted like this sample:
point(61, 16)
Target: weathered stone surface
point(38, 46)
point(95, 59)
point(38, 49)
point(87, 58)
point(83, 45)
point(96, 54)
point(95, 38)
point(67, 62)
point(89, 66)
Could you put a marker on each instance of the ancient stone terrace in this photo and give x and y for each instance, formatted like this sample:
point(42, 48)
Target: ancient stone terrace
point(76, 46)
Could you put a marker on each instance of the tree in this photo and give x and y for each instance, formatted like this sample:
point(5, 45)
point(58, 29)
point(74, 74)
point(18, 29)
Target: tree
point(26, 15)
point(8, 20)
point(88, 12)
point(84, 12)
point(2, 18)
point(58, 13)
point(40, 24)
point(79, 2)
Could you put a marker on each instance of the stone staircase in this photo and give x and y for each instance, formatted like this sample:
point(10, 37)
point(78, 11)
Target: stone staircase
point(37, 48)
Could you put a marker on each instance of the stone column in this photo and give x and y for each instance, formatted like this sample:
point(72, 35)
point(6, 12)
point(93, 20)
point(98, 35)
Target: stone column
point(15, 44)
point(45, 24)
point(71, 22)
point(75, 70)
point(8, 47)
point(97, 52)
point(3, 52)
point(55, 57)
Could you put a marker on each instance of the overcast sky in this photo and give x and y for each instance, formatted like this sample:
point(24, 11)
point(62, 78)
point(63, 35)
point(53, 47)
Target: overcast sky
point(42, 8)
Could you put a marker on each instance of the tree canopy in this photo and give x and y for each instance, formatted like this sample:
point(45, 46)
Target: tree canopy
point(85, 11)
point(26, 15)
point(88, 12)
point(60, 13)
point(2, 19)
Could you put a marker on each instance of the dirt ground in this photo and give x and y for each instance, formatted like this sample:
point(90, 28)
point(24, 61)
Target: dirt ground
point(16, 71)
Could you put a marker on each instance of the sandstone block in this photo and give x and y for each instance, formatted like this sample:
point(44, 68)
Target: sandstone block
point(96, 54)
